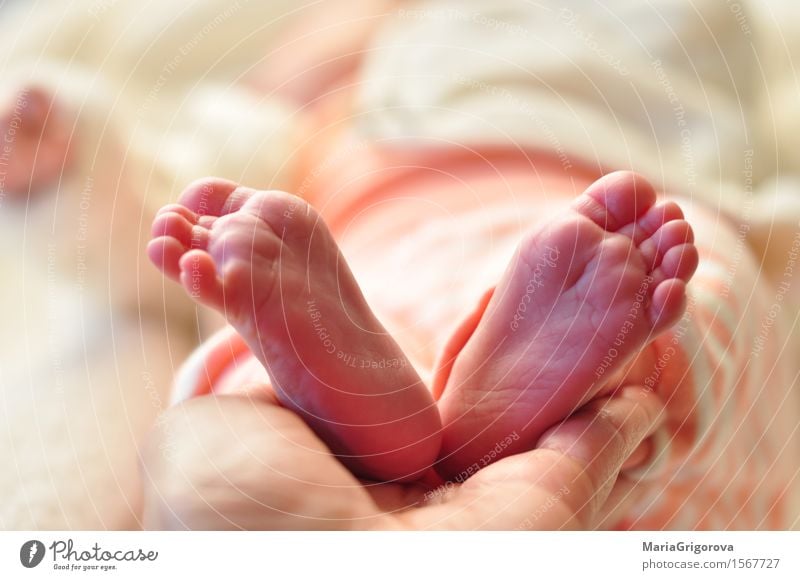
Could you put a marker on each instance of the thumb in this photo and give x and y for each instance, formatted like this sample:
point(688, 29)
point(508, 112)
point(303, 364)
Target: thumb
point(565, 481)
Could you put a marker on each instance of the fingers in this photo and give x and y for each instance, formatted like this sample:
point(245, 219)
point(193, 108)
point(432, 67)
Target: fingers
point(564, 482)
point(236, 462)
point(600, 439)
point(617, 508)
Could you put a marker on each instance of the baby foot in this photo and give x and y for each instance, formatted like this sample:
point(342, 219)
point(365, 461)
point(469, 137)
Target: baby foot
point(580, 299)
point(35, 137)
point(267, 262)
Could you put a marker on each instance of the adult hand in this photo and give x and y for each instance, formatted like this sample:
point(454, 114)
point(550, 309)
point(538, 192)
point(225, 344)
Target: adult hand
point(245, 462)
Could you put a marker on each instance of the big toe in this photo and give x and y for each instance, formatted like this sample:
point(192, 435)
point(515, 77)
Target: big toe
point(214, 196)
point(616, 200)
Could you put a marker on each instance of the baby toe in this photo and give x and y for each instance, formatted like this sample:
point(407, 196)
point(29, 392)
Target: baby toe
point(178, 209)
point(212, 196)
point(667, 304)
point(616, 200)
point(669, 235)
point(680, 262)
point(165, 253)
point(173, 225)
point(652, 220)
point(198, 275)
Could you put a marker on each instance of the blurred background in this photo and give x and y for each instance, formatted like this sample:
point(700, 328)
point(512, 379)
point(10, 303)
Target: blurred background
point(110, 107)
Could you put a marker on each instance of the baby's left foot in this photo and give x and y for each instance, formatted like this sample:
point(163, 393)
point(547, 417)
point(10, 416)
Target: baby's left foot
point(267, 262)
point(581, 298)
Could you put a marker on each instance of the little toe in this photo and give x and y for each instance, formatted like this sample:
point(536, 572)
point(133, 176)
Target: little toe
point(616, 200)
point(667, 304)
point(165, 253)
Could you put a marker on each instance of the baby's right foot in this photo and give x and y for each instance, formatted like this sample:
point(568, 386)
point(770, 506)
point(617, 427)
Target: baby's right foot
point(580, 299)
point(267, 262)
point(35, 133)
